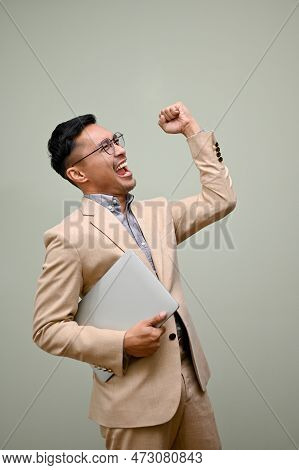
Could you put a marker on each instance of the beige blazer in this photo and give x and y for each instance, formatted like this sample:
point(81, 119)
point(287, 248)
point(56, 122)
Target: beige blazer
point(79, 250)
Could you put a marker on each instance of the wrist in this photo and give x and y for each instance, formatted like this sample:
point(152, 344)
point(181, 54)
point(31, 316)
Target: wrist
point(191, 128)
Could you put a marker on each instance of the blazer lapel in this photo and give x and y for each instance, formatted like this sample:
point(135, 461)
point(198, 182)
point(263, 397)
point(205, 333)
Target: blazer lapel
point(103, 220)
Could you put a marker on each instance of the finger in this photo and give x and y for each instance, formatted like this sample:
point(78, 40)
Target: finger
point(162, 120)
point(174, 111)
point(167, 115)
point(156, 319)
point(162, 330)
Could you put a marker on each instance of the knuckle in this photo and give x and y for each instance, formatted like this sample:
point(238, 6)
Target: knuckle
point(156, 338)
point(153, 335)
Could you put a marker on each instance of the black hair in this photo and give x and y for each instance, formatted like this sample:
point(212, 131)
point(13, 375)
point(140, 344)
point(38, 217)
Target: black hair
point(61, 143)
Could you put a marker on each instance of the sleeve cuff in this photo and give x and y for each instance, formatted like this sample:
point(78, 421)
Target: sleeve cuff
point(126, 359)
point(202, 130)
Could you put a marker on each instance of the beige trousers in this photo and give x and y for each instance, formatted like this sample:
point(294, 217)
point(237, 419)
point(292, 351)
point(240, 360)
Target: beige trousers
point(193, 426)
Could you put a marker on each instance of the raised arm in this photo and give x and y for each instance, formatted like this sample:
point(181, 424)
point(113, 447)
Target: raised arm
point(217, 197)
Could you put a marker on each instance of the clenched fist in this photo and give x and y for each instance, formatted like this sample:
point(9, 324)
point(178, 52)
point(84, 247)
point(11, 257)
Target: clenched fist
point(176, 119)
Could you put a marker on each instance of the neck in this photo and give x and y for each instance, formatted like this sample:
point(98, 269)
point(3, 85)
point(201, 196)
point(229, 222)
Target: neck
point(122, 201)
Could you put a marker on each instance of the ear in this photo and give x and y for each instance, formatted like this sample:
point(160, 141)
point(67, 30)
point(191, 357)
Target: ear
point(77, 176)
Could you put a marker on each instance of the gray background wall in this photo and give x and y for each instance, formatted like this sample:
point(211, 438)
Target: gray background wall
point(233, 63)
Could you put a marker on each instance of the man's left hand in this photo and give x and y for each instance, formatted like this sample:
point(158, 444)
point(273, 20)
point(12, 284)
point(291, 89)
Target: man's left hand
point(176, 119)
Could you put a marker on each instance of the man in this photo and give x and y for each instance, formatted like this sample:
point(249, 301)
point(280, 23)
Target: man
point(157, 397)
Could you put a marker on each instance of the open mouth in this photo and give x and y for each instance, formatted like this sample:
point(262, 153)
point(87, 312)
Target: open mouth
point(122, 170)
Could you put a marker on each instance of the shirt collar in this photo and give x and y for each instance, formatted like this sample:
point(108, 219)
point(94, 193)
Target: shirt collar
point(108, 200)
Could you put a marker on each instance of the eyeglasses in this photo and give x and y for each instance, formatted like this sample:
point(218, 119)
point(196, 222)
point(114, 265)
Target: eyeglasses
point(107, 145)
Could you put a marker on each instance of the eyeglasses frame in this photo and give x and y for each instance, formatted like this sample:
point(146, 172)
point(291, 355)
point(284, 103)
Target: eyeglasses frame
point(101, 147)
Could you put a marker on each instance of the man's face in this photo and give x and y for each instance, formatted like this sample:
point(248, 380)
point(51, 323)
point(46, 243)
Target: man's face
point(97, 173)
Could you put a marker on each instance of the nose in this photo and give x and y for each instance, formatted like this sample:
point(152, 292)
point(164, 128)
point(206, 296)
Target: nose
point(118, 150)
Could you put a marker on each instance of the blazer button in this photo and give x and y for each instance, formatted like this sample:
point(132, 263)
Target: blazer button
point(216, 143)
point(220, 159)
point(172, 336)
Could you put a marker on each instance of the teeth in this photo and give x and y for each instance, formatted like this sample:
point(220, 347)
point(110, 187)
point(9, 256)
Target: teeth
point(121, 165)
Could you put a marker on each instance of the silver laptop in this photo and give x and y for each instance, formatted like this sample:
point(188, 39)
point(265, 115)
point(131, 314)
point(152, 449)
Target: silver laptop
point(127, 293)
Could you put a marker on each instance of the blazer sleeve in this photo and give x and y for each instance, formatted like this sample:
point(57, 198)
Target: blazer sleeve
point(55, 306)
point(217, 197)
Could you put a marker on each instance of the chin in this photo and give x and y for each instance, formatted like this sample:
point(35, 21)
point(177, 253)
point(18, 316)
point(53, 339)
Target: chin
point(131, 184)
point(127, 184)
